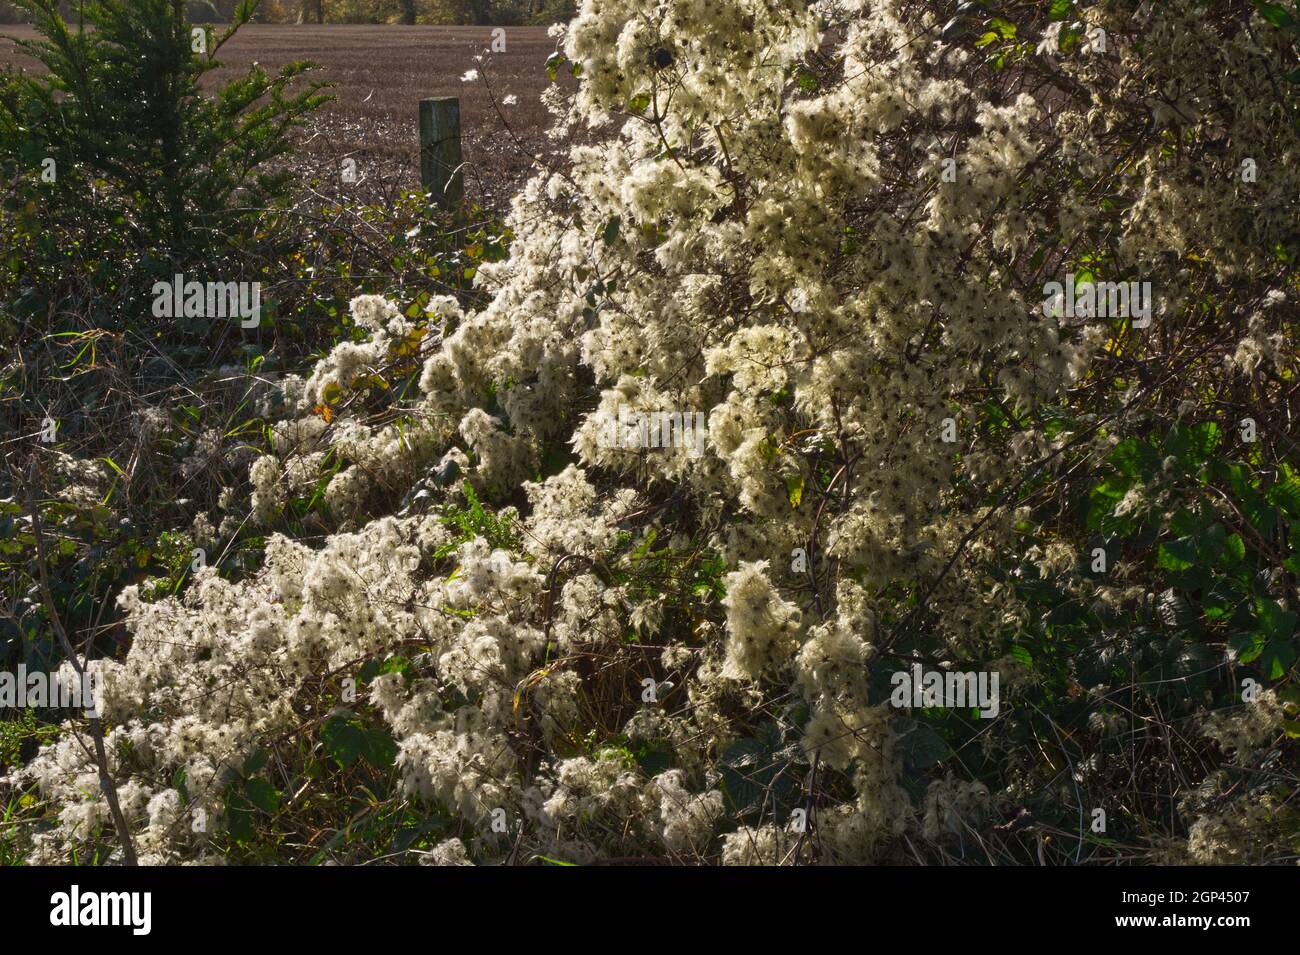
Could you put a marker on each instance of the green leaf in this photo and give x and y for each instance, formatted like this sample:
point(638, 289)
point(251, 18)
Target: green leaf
point(610, 233)
point(1285, 494)
point(794, 489)
point(757, 774)
point(1274, 14)
point(239, 817)
point(1276, 659)
point(1004, 28)
point(655, 758)
point(1261, 515)
point(640, 552)
point(1275, 622)
point(256, 760)
point(1220, 598)
point(263, 795)
point(1060, 10)
point(1134, 458)
point(1245, 647)
point(1113, 487)
point(343, 739)
point(1213, 540)
point(1103, 499)
point(1176, 555)
point(553, 64)
point(1193, 444)
point(743, 773)
point(379, 748)
point(1174, 610)
point(1234, 551)
point(448, 473)
point(922, 747)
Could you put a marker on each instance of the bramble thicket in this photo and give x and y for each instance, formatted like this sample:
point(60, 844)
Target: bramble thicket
point(478, 631)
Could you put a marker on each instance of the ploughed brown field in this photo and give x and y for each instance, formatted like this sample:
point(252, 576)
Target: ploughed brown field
point(380, 73)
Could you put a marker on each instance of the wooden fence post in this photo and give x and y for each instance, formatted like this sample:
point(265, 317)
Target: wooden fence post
point(440, 157)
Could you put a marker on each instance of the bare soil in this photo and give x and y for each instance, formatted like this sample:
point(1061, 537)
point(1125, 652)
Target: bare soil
point(380, 73)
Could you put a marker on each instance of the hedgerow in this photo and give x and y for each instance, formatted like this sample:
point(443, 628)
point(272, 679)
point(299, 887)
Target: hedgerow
point(832, 230)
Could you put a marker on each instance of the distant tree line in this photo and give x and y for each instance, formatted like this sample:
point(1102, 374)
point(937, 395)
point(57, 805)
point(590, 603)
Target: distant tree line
point(504, 12)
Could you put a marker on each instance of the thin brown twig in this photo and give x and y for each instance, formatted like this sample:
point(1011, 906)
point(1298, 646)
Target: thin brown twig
point(106, 784)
